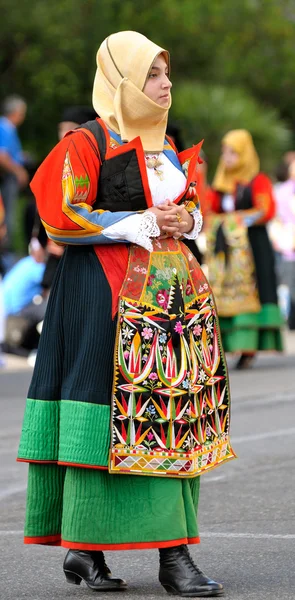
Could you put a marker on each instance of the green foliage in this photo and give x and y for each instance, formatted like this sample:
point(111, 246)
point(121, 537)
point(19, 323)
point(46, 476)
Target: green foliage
point(47, 53)
point(209, 111)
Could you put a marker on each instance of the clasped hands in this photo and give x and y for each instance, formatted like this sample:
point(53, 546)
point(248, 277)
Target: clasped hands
point(173, 220)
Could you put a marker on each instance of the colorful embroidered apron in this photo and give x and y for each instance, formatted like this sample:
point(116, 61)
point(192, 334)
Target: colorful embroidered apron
point(170, 405)
point(232, 277)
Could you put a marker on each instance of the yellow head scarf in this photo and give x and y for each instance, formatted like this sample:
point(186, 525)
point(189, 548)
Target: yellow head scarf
point(123, 62)
point(225, 179)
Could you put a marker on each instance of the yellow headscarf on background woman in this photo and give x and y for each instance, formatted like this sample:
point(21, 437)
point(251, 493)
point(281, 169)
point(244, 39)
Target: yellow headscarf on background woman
point(226, 179)
point(124, 60)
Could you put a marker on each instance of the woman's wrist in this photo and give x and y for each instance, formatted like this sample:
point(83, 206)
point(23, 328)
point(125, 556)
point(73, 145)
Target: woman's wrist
point(190, 223)
point(193, 233)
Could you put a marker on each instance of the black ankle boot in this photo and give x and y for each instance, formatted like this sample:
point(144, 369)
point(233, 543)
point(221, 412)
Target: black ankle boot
point(99, 559)
point(181, 577)
point(91, 567)
point(245, 361)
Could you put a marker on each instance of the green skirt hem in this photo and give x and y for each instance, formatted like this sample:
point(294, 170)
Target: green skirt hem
point(57, 541)
point(85, 508)
point(253, 332)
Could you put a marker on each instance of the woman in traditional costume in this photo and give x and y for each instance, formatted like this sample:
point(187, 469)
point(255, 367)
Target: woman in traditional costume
point(129, 400)
point(240, 257)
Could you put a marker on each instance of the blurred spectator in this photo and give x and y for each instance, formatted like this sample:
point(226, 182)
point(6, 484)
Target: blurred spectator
point(282, 233)
point(281, 172)
point(29, 210)
point(2, 315)
point(282, 169)
point(24, 305)
point(72, 117)
point(2, 325)
point(289, 157)
point(240, 257)
point(2, 233)
point(13, 174)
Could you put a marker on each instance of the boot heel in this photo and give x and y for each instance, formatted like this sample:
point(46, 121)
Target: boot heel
point(169, 590)
point(72, 578)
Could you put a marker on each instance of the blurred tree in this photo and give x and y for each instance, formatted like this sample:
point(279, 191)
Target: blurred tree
point(209, 111)
point(48, 55)
point(249, 43)
point(48, 52)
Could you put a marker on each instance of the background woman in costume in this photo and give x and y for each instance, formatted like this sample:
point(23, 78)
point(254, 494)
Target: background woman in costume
point(130, 338)
point(174, 133)
point(239, 255)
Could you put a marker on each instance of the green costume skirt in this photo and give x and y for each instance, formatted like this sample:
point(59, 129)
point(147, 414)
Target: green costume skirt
point(242, 274)
point(89, 509)
point(73, 500)
point(253, 332)
point(79, 507)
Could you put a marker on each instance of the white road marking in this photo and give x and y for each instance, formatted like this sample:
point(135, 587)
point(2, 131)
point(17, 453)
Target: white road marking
point(254, 536)
point(11, 532)
point(11, 491)
point(263, 399)
point(263, 436)
point(206, 534)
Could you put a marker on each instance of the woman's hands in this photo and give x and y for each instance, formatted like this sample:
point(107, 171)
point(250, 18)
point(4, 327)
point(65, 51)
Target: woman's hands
point(173, 220)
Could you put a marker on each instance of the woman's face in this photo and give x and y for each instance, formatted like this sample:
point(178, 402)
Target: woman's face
point(158, 85)
point(229, 156)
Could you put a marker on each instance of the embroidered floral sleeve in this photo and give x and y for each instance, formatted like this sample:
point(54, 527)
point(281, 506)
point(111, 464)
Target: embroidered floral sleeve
point(137, 229)
point(198, 219)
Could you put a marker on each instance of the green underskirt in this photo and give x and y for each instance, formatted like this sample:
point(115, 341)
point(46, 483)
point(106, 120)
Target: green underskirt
point(89, 506)
point(252, 332)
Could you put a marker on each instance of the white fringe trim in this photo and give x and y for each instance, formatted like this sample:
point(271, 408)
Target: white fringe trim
point(148, 229)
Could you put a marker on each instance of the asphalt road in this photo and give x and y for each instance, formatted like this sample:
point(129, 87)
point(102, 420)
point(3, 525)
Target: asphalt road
point(246, 515)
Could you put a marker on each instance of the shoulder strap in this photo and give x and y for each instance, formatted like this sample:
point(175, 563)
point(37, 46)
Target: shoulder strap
point(170, 141)
point(97, 131)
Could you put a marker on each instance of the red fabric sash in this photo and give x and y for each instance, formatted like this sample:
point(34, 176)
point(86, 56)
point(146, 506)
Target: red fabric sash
point(114, 261)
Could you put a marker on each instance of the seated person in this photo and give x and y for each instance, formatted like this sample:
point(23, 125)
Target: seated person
point(24, 306)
